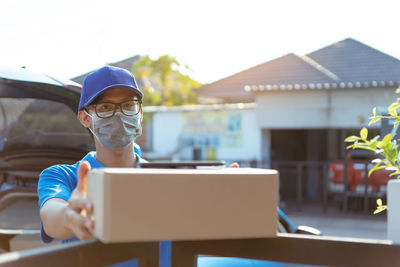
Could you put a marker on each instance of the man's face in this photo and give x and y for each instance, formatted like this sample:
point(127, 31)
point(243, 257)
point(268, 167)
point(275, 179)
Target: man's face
point(114, 95)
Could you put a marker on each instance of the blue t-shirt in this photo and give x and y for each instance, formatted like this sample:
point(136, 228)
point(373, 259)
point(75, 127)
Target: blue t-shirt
point(59, 181)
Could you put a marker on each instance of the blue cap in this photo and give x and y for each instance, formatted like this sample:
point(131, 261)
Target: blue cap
point(103, 79)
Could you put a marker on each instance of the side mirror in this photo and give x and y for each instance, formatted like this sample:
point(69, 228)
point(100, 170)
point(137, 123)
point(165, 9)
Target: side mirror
point(307, 230)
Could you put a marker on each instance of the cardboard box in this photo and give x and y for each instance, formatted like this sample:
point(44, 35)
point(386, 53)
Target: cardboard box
point(183, 204)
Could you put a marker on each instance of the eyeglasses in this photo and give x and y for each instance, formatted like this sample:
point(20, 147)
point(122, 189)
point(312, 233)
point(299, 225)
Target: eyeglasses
point(108, 109)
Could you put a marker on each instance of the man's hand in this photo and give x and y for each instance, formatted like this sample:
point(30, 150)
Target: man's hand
point(234, 165)
point(78, 211)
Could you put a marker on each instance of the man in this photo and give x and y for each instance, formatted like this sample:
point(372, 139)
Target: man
point(110, 107)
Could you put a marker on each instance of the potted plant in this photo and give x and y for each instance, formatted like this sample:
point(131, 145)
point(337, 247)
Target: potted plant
point(388, 157)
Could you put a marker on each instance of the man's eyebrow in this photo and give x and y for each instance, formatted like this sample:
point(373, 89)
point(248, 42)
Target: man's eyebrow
point(133, 97)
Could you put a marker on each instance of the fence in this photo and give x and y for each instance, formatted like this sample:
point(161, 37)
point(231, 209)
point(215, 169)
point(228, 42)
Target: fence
point(301, 170)
point(288, 248)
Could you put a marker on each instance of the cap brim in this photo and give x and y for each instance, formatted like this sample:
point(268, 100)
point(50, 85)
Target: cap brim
point(133, 89)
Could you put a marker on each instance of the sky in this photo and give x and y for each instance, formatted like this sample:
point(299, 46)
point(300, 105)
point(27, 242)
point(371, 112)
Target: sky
point(215, 38)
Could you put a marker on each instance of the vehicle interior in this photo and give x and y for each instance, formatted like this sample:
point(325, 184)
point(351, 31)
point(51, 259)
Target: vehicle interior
point(38, 128)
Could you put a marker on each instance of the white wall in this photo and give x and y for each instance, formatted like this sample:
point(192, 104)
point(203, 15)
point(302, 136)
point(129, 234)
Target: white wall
point(251, 137)
point(334, 108)
point(168, 127)
point(348, 106)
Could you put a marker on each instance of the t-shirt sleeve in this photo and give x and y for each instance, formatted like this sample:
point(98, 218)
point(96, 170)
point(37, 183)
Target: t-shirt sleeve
point(54, 182)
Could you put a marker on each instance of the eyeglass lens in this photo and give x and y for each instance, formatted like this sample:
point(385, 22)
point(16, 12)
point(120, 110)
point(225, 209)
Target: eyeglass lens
point(129, 108)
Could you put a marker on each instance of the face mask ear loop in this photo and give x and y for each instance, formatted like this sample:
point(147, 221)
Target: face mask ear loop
point(92, 124)
point(91, 118)
point(87, 113)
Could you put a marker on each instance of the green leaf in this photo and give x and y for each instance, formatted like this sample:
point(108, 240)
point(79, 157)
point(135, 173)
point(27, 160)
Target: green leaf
point(386, 162)
point(376, 167)
point(394, 129)
point(380, 209)
point(352, 138)
point(394, 173)
point(386, 139)
point(393, 112)
point(375, 138)
point(364, 133)
point(392, 109)
point(363, 146)
point(398, 158)
point(398, 90)
point(374, 111)
point(374, 120)
point(392, 152)
point(373, 144)
point(395, 105)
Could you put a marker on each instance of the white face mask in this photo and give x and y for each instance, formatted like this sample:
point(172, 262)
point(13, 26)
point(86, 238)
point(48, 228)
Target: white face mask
point(116, 132)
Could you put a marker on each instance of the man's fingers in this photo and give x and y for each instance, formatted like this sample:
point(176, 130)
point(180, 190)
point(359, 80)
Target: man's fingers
point(78, 204)
point(234, 165)
point(74, 219)
point(82, 233)
point(89, 224)
point(83, 170)
point(80, 225)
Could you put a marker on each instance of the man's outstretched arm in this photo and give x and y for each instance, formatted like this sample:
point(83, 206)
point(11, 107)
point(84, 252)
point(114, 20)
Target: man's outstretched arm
point(63, 220)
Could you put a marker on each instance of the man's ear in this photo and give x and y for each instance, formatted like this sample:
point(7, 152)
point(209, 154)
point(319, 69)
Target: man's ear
point(141, 114)
point(84, 118)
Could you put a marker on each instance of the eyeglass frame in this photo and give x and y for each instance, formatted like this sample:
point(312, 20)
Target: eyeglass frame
point(115, 108)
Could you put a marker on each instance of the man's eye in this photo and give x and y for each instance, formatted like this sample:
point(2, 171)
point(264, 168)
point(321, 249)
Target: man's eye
point(128, 106)
point(105, 107)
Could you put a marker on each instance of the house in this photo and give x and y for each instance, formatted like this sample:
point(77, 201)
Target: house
point(304, 108)
point(347, 61)
point(312, 102)
point(321, 98)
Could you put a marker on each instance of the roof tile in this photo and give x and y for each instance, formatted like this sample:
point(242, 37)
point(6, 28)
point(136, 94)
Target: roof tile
point(347, 63)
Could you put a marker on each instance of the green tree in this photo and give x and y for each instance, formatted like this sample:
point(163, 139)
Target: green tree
point(386, 148)
point(164, 81)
